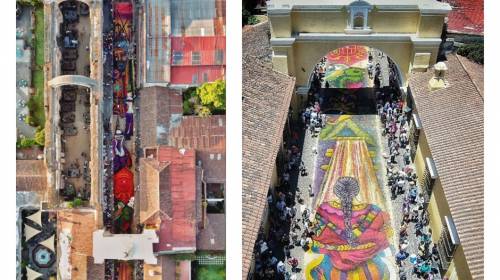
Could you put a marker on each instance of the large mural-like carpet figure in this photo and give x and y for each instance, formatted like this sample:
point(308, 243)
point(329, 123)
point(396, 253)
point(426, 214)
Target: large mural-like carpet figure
point(351, 223)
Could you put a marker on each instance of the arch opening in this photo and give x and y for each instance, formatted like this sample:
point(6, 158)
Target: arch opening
point(351, 80)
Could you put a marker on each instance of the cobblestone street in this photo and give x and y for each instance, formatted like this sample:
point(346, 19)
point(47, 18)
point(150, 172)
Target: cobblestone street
point(303, 200)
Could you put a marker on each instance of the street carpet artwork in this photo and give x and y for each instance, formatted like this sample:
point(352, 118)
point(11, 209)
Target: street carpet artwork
point(352, 226)
point(346, 67)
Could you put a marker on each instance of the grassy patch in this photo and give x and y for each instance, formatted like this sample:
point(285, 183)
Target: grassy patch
point(35, 103)
point(211, 272)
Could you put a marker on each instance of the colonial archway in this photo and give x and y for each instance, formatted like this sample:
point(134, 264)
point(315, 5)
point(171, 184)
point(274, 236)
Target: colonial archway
point(351, 79)
point(77, 80)
point(301, 32)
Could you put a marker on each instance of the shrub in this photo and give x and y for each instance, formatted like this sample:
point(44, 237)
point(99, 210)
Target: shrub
point(474, 52)
point(77, 202)
point(248, 18)
point(32, 3)
point(25, 142)
point(213, 95)
point(40, 136)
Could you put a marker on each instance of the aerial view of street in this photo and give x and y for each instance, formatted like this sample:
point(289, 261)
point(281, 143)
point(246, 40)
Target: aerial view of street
point(120, 154)
point(353, 125)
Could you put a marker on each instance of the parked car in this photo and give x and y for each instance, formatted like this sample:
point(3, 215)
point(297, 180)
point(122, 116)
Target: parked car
point(70, 42)
point(68, 65)
point(70, 15)
point(70, 54)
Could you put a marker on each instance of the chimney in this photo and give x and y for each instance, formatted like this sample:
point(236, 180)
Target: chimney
point(438, 81)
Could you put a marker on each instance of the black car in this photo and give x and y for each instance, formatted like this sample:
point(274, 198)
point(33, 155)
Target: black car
point(70, 15)
point(68, 65)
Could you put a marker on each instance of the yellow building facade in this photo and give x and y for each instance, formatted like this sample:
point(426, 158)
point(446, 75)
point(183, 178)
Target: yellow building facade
point(302, 32)
point(438, 208)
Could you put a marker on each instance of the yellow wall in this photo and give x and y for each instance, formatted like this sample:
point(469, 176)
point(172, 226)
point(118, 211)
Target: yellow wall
point(422, 152)
point(274, 178)
point(319, 22)
point(307, 54)
point(431, 26)
point(292, 59)
point(282, 59)
point(438, 208)
point(459, 270)
point(385, 22)
point(281, 26)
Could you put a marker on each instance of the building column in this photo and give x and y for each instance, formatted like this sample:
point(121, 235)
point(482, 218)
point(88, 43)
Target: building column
point(283, 60)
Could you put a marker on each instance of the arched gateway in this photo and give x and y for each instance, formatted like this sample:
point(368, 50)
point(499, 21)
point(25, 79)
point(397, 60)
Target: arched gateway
point(77, 80)
point(302, 31)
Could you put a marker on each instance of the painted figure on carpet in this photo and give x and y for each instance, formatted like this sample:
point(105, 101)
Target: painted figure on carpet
point(351, 237)
point(121, 156)
point(346, 67)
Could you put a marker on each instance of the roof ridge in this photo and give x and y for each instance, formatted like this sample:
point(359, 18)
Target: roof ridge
point(470, 77)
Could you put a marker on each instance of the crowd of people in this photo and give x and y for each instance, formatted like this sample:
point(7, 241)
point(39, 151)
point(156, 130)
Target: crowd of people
point(402, 180)
point(313, 119)
point(289, 226)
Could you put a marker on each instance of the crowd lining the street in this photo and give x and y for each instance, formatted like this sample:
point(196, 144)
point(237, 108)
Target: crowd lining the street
point(289, 227)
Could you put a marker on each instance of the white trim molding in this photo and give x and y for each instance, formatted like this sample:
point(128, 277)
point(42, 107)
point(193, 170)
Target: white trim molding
point(282, 42)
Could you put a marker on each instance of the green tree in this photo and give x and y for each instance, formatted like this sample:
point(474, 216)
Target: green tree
point(212, 96)
point(25, 143)
point(40, 136)
point(77, 202)
point(32, 3)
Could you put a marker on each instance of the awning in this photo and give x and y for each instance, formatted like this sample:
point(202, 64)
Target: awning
point(29, 231)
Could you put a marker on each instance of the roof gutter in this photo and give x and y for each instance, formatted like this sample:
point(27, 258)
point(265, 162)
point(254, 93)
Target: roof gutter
point(183, 250)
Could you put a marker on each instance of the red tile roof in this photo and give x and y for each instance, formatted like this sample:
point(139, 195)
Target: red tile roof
point(206, 46)
point(161, 109)
point(466, 16)
point(177, 199)
point(213, 236)
point(266, 99)
point(453, 123)
point(31, 175)
point(200, 133)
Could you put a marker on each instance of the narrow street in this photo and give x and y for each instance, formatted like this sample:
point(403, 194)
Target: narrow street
point(358, 136)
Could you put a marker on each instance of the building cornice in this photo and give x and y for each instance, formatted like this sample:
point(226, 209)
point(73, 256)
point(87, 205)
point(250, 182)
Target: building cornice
point(424, 9)
point(329, 37)
point(425, 41)
point(315, 37)
point(282, 42)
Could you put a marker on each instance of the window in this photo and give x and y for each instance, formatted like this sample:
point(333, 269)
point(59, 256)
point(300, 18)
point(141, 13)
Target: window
point(448, 243)
point(219, 57)
point(195, 58)
point(215, 198)
point(194, 79)
point(205, 77)
point(359, 21)
point(428, 178)
point(415, 126)
point(177, 58)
